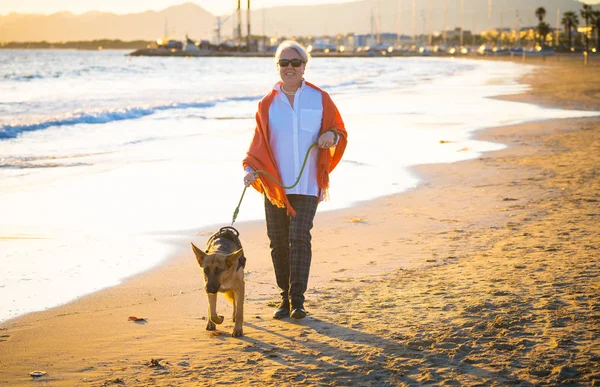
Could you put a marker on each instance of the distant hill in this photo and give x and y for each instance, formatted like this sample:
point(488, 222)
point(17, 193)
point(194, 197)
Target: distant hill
point(186, 18)
point(358, 17)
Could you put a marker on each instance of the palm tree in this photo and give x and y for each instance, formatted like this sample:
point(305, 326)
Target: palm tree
point(596, 15)
point(570, 21)
point(586, 13)
point(540, 13)
point(542, 28)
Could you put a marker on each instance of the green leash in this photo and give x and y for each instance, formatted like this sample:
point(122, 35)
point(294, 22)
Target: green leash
point(237, 209)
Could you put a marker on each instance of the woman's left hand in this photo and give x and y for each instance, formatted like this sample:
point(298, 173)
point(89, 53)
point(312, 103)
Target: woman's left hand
point(326, 140)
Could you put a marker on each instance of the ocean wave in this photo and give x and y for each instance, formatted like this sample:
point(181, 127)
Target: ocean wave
point(92, 71)
point(107, 116)
point(46, 161)
point(23, 77)
point(12, 131)
point(16, 163)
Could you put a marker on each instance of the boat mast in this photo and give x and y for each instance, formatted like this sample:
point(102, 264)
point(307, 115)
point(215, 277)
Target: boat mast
point(399, 22)
point(248, 22)
point(239, 21)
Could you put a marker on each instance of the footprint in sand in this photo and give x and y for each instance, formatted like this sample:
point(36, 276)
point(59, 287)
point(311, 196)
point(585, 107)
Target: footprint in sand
point(305, 332)
point(4, 338)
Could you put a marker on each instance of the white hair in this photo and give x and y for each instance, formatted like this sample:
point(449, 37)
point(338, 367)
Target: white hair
point(296, 46)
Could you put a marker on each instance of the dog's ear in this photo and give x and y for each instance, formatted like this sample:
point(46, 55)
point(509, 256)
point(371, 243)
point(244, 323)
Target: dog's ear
point(233, 257)
point(199, 254)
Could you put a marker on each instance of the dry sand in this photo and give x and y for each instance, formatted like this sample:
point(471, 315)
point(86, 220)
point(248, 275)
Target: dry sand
point(487, 274)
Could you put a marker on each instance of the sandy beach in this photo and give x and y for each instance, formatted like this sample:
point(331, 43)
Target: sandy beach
point(486, 274)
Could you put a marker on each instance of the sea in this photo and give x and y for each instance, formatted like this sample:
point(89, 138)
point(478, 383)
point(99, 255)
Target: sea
point(110, 163)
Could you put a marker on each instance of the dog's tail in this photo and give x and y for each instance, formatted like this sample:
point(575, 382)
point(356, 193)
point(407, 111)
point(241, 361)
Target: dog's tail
point(229, 295)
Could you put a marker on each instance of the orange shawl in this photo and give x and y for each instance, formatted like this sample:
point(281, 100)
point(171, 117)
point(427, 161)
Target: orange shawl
point(260, 156)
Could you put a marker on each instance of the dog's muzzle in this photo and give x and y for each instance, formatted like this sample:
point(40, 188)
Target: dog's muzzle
point(213, 289)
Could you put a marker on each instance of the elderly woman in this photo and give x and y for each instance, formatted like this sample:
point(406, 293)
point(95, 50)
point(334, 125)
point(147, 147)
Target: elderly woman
point(293, 116)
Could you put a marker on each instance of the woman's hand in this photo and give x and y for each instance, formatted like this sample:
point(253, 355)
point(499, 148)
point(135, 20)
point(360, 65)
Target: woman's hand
point(327, 140)
point(249, 178)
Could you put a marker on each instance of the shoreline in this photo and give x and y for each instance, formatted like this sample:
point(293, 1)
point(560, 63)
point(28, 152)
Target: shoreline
point(377, 229)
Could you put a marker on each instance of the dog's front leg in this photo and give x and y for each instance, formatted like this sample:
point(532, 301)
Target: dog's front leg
point(234, 308)
point(238, 330)
point(212, 313)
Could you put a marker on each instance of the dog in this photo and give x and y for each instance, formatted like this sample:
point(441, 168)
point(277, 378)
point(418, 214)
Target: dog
point(223, 267)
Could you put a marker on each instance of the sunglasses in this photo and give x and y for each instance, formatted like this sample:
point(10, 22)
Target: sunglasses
point(295, 62)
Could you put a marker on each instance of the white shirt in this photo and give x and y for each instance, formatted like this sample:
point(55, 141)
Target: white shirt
point(292, 132)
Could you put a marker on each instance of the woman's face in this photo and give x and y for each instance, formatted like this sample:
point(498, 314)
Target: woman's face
point(289, 74)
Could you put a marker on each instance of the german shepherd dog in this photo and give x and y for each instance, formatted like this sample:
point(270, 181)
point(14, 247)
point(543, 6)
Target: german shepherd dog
point(223, 266)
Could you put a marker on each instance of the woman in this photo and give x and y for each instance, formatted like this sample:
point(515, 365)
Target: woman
point(293, 116)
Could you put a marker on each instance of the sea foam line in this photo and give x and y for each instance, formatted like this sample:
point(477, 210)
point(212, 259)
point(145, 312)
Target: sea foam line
point(107, 116)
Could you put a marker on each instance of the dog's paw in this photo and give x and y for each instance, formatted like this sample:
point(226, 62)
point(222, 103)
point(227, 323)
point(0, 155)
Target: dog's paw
point(217, 319)
point(210, 326)
point(237, 332)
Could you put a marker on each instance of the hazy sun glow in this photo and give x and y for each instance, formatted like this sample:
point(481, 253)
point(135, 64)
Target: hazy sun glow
point(217, 7)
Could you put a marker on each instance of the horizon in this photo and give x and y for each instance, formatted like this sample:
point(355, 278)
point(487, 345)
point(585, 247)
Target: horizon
point(216, 7)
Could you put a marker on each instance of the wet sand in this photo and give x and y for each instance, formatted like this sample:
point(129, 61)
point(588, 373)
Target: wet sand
point(486, 274)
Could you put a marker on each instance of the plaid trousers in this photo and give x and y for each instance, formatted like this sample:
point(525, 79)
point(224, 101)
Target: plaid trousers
point(290, 245)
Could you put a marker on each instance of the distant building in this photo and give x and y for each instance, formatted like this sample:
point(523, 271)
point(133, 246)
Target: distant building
point(453, 36)
point(170, 44)
point(322, 46)
point(385, 39)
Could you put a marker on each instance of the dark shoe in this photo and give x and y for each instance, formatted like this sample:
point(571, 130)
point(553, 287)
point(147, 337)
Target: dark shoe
point(298, 313)
point(282, 311)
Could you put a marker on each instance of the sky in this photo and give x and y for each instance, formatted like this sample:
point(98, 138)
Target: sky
point(216, 7)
